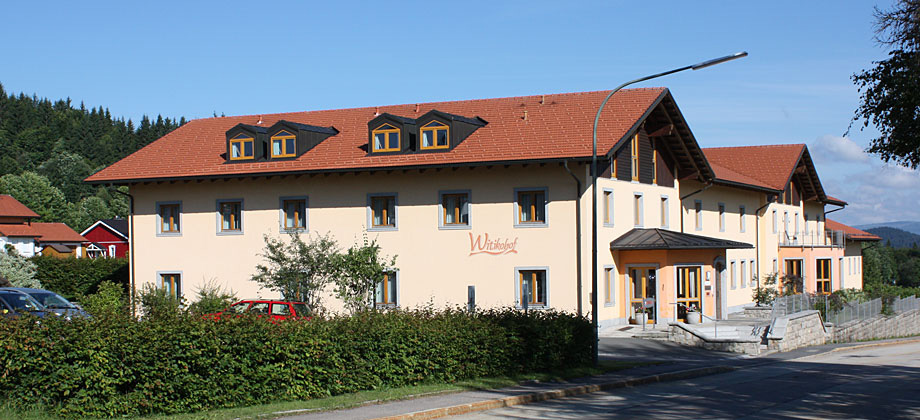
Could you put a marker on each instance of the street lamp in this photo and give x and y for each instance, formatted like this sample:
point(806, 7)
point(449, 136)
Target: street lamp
point(697, 66)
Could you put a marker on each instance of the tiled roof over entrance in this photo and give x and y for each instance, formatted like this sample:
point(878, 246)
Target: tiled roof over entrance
point(646, 239)
point(518, 129)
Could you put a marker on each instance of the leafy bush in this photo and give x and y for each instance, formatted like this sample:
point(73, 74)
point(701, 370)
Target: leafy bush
point(109, 301)
point(122, 366)
point(157, 303)
point(767, 293)
point(76, 277)
point(210, 298)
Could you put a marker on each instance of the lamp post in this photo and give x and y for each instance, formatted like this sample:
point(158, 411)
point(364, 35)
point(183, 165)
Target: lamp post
point(698, 66)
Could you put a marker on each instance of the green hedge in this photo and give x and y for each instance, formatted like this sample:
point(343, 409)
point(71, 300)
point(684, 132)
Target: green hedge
point(74, 278)
point(117, 366)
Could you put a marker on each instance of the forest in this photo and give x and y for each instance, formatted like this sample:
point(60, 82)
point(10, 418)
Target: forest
point(48, 148)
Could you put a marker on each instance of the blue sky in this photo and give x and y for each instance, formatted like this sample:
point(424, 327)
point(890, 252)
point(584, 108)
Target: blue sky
point(193, 59)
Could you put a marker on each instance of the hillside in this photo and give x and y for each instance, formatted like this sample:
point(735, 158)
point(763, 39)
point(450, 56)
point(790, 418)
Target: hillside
point(896, 237)
point(49, 147)
point(906, 225)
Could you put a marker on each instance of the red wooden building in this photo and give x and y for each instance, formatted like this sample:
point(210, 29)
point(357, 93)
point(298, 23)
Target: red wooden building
point(107, 238)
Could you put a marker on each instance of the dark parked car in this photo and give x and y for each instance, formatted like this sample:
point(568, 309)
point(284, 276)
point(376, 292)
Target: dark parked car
point(276, 309)
point(52, 302)
point(15, 304)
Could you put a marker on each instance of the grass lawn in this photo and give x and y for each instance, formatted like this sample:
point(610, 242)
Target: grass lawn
point(279, 409)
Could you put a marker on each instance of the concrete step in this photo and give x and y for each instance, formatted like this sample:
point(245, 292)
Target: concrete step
point(651, 335)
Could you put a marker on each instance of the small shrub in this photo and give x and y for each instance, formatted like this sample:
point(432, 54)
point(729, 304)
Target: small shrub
point(210, 298)
point(766, 293)
point(109, 301)
point(159, 304)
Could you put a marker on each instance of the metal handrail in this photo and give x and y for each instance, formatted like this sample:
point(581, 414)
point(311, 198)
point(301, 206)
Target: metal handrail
point(715, 322)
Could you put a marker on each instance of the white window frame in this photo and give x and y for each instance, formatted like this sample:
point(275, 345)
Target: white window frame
point(721, 209)
point(741, 213)
point(734, 274)
point(610, 279)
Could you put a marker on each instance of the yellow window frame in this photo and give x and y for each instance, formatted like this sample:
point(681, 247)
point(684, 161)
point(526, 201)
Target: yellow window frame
point(386, 138)
point(283, 139)
point(533, 206)
point(242, 142)
point(387, 299)
point(171, 282)
point(463, 199)
point(823, 276)
point(384, 210)
point(235, 207)
point(434, 133)
point(172, 210)
point(532, 276)
point(634, 149)
point(297, 215)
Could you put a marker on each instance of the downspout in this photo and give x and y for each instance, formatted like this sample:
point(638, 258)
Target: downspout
point(131, 249)
point(706, 187)
point(565, 165)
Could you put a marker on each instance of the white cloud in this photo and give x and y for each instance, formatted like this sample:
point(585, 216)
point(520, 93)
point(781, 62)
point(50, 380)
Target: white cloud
point(885, 193)
point(835, 148)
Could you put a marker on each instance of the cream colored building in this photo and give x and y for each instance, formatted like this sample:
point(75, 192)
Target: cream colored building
point(493, 194)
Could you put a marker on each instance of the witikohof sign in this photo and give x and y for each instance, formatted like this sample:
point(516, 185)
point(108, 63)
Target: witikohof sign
point(482, 244)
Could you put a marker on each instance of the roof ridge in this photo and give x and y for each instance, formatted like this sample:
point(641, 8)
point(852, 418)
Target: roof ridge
point(753, 146)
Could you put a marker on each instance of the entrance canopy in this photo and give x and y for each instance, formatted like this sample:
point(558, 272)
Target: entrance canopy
point(647, 239)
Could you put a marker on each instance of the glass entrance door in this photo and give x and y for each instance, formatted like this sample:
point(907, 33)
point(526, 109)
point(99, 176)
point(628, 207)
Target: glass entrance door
point(688, 291)
point(642, 287)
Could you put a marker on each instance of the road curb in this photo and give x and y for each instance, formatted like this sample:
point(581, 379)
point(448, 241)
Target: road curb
point(558, 393)
point(886, 343)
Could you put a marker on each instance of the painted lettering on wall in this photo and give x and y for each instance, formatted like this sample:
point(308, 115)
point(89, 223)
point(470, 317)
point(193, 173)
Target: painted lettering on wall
point(482, 244)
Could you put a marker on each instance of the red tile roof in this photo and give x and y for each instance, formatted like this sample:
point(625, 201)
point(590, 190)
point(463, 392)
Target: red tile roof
point(43, 232)
point(559, 128)
point(56, 232)
point(851, 232)
point(761, 166)
point(18, 230)
point(11, 207)
point(834, 200)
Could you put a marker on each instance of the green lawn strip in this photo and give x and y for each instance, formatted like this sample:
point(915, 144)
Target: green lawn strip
point(281, 409)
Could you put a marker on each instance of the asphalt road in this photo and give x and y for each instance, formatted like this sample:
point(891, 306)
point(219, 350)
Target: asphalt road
point(880, 382)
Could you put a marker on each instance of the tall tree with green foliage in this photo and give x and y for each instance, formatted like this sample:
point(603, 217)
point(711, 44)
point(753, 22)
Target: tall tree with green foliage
point(37, 193)
point(361, 268)
point(299, 269)
point(890, 91)
point(65, 144)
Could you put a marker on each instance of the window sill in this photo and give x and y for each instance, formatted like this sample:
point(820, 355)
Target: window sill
point(169, 234)
point(294, 230)
point(609, 304)
point(455, 227)
point(531, 225)
point(382, 229)
point(230, 233)
point(609, 225)
point(537, 307)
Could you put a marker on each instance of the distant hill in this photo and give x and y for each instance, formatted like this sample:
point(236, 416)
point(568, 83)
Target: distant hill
point(909, 226)
point(898, 238)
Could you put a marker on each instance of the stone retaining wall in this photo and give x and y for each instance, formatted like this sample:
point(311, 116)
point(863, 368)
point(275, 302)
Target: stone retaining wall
point(801, 329)
point(758, 312)
point(900, 325)
point(681, 334)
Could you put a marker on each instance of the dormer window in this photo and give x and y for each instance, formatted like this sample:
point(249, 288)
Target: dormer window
point(386, 138)
point(283, 144)
point(241, 147)
point(435, 135)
